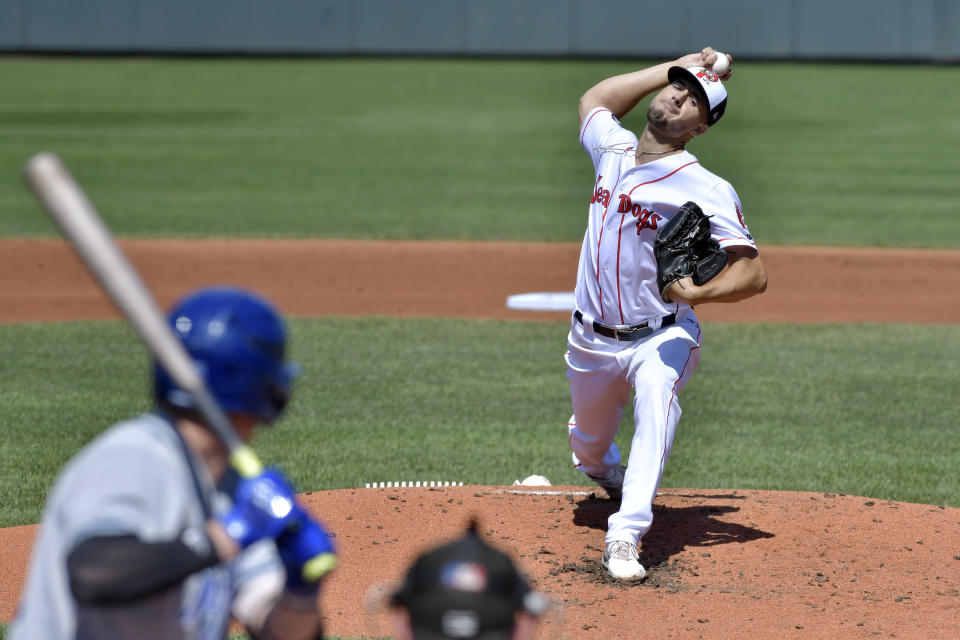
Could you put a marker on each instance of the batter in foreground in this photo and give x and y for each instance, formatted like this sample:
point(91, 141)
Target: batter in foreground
point(149, 534)
point(634, 325)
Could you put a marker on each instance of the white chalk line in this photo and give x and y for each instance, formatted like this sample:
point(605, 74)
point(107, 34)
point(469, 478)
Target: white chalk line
point(537, 492)
point(411, 484)
point(403, 484)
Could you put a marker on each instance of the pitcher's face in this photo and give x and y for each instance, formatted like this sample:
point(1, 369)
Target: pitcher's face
point(678, 111)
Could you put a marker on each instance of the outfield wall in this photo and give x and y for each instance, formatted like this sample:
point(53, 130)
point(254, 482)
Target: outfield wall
point(912, 30)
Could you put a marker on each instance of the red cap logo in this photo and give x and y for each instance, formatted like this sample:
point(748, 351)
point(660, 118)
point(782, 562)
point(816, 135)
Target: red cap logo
point(708, 75)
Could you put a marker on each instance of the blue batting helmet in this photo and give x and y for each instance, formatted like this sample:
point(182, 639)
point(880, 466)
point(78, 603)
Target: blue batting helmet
point(238, 342)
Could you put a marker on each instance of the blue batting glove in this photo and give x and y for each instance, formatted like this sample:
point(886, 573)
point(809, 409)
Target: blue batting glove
point(263, 507)
point(307, 552)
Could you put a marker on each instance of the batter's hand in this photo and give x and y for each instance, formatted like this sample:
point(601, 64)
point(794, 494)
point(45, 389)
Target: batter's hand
point(307, 552)
point(262, 508)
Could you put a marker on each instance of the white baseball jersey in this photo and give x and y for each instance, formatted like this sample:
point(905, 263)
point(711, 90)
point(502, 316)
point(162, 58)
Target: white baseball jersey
point(617, 276)
point(617, 286)
point(137, 478)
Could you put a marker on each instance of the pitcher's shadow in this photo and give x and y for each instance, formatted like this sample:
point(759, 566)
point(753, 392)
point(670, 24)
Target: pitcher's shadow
point(674, 528)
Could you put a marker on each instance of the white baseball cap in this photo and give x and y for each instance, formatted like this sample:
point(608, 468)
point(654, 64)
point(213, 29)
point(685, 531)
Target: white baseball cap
point(712, 89)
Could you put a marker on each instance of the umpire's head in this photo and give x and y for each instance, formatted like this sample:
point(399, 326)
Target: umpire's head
point(466, 589)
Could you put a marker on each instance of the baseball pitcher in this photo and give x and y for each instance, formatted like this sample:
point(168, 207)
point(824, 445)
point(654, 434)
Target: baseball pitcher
point(663, 234)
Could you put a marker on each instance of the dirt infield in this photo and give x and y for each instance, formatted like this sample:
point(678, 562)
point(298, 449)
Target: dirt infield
point(41, 279)
point(723, 563)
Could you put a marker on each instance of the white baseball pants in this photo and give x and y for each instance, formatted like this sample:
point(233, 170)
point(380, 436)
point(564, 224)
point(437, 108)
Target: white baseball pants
point(602, 372)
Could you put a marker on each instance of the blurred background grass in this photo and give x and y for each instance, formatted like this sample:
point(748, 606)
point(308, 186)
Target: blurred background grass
point(841, 154)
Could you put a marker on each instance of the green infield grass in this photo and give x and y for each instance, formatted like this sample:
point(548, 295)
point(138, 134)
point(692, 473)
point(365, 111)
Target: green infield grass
point(429, 148)
point(858, 409)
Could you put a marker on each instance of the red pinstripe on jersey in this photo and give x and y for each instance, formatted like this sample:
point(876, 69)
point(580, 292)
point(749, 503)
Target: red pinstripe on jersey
point(683, 372)
point(600, 242)
point(619, 243)
point(680, 168)
point(583, 128)
point(619, 303)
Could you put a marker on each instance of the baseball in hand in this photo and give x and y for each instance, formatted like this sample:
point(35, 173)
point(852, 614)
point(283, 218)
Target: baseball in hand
point(722, 63)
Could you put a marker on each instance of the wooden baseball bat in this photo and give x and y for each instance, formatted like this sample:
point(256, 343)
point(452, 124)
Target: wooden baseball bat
point(70, 208)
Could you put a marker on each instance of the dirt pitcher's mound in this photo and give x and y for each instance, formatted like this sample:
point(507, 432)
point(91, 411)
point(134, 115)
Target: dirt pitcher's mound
point(722, 564)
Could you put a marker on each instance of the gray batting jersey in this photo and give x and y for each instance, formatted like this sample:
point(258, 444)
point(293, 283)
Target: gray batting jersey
point(136, 478)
